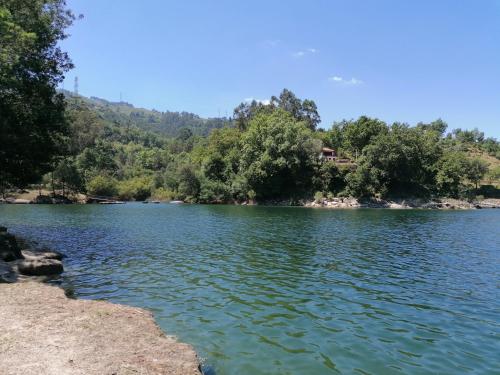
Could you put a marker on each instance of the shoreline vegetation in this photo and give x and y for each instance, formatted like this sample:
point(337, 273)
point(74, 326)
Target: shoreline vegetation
point(75, 336)
point(33, 197)
point(266, 152)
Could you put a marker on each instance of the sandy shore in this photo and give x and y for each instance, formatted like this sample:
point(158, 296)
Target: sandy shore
point(42, 332)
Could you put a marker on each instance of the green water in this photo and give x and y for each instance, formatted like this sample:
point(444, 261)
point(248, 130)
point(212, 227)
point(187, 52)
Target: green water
point(261, 290)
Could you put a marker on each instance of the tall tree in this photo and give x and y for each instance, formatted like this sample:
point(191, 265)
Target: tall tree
point(278, 155)
point(33, 126)
point(305, 110)
point(358, 134)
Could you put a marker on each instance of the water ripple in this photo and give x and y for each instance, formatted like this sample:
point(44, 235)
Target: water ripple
point(292, 291)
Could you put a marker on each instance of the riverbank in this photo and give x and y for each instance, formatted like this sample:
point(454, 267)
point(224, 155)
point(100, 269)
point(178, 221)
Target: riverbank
point(32, 197)
point(413, 203)
point(43, 332)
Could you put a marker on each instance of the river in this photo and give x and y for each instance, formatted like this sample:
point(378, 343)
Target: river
point(268, 290)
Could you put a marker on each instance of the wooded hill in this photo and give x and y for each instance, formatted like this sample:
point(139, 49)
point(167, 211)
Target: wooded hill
point(165, 123)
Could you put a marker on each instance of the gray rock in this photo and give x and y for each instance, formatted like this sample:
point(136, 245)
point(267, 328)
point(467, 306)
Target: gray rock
point(40, 267)
point(7, 273)
point(44, 254)
point(9, 249)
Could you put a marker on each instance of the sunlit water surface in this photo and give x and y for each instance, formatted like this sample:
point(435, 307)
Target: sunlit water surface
point(261, 290)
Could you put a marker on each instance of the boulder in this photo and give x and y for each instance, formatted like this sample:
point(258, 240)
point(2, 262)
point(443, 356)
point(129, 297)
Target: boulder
point(43, 254)
point(9, 249)
point(43, 199)
point(7, 273)
point(40, 267)
point(21, 201)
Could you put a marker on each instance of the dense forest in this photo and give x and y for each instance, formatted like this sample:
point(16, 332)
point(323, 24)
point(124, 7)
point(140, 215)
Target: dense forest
point(266, 152)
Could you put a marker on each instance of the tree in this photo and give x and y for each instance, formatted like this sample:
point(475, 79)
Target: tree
point(301, 110)
point(358, 134)
point(451, 171)
point(329, 178)
point(68, 177)
point(278, 155)
point(33, 127)
point(85, 127)
point(310, 114)
point(189, 183)
point(246, 111)
point(399, 162)
point(102, 185)
point(468, 136)
point(138, 188)
point(438, 126)
point(476, 169)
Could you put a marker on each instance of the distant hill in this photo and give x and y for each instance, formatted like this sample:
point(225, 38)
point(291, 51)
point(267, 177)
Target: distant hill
point(165, 123)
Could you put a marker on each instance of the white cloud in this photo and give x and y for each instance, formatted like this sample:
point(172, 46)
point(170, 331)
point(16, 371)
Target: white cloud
point(350, 82)
point(261, 101)
point(308, 51)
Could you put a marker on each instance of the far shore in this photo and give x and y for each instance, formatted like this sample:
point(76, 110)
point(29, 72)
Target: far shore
point(33, 197)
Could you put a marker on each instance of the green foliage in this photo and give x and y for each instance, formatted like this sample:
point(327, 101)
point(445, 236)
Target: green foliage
point(189, 183)
point(468, 136)
point(319, 196)
point(278, 156)
point(102, 185)
point(476, 170)
point(358, 134)
point(214, 191)
point(398, 162)
point(67, 177)
point(164, 124)
point(163, 194)
point(138, 188)
point(451, 172)
point(329, 178)
point(287, 101)
point(494, 174)
point(33, 125)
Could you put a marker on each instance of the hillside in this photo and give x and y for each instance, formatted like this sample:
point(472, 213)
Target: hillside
point(165, 123)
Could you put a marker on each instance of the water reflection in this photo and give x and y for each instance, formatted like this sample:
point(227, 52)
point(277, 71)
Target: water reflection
point(290, 290)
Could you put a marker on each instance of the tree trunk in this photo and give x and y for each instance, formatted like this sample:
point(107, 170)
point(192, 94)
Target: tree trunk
point(52, 182)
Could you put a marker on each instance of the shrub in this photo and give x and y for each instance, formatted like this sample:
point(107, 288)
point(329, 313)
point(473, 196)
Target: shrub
point(318, 196)
point(102, 185)
point(214, 191)
point(163, 194)
point(138, 188)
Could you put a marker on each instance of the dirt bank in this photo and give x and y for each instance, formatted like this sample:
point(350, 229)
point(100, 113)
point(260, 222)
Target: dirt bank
point(43, 332)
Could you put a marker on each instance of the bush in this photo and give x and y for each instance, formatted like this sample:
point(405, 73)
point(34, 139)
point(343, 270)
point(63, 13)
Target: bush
point(251, 195)
point(102, 186)
point(318, 197)
point(489, 191)
point(214, 191)
point(138, 188)
point(162, 194)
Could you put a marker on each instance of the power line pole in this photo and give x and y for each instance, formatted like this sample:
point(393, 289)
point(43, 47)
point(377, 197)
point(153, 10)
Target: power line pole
point(76, 86)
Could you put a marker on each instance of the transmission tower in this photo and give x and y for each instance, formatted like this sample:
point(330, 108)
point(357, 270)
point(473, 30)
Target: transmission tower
point(76, 86)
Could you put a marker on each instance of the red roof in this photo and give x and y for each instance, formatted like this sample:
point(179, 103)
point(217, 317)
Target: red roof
point(326, 149)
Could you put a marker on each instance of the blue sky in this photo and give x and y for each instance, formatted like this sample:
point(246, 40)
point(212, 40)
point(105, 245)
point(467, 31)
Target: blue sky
point(396, 60)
